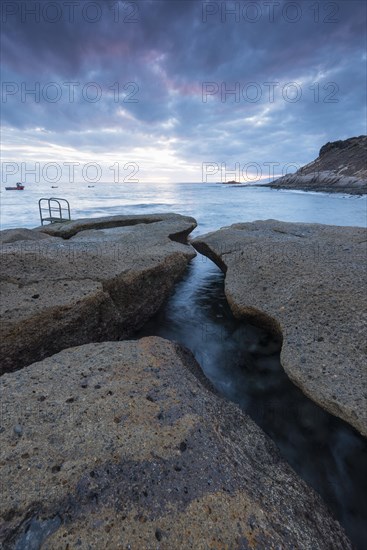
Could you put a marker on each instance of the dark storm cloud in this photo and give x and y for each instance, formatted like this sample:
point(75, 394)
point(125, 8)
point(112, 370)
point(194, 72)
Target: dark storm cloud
point(177, 28)
point(171, 49)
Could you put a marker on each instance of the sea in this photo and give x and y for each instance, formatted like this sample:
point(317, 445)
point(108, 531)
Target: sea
point(241, 361)
point(212, 205)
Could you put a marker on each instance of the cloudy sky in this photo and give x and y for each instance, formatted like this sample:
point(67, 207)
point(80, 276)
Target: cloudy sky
point(165, 86)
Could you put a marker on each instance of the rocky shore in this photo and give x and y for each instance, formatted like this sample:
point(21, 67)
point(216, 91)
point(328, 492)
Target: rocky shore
point(306, 282)
point(125, 444)
point(341, 167)
point(85, 281)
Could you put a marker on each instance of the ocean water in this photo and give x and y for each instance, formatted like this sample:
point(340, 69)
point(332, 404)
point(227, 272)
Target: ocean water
point(242, 362)
point(212, 205)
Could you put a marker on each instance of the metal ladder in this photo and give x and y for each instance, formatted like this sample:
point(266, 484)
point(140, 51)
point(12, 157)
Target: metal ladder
point(56, 211)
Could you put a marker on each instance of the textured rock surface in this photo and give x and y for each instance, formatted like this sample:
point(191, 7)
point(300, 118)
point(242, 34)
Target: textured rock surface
point(180, 226)
point(21, 234)
point(101, 283)
point(309, 282)
point(120, 445)
point(341, 167)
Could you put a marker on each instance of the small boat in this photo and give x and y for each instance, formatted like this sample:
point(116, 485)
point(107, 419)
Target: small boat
point(19, 187)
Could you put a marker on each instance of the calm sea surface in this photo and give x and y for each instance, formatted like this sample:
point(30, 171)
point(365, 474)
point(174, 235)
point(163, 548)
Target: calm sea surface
point(213, 205)
point(241, 361)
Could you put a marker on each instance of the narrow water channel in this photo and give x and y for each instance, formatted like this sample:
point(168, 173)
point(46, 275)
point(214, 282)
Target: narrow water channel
point(243, 363)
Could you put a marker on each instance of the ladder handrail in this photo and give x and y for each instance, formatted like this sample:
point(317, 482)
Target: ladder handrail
point(60, 208)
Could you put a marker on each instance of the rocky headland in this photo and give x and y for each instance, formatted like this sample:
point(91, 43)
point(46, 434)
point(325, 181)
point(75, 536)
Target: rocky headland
point(341, 167)
point(307, 283)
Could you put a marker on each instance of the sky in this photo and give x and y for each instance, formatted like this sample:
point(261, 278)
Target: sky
point(175, 91)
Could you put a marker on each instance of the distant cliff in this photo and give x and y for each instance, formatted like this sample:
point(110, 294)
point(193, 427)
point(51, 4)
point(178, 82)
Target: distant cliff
point(341, 167)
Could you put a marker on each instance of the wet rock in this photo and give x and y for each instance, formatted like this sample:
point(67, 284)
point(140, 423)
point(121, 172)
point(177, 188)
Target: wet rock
point(206, 477)
point(339, 168)
point(307, 282)
point(83, 281)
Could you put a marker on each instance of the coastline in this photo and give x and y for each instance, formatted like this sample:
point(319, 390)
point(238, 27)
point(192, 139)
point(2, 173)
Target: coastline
point(319, 188)
point(118, 248)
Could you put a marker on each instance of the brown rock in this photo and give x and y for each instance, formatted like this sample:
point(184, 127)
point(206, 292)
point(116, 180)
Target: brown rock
point(20, 234)
point(340, 168)
point(100, 284)
point(308, 282)
point(120, 445)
